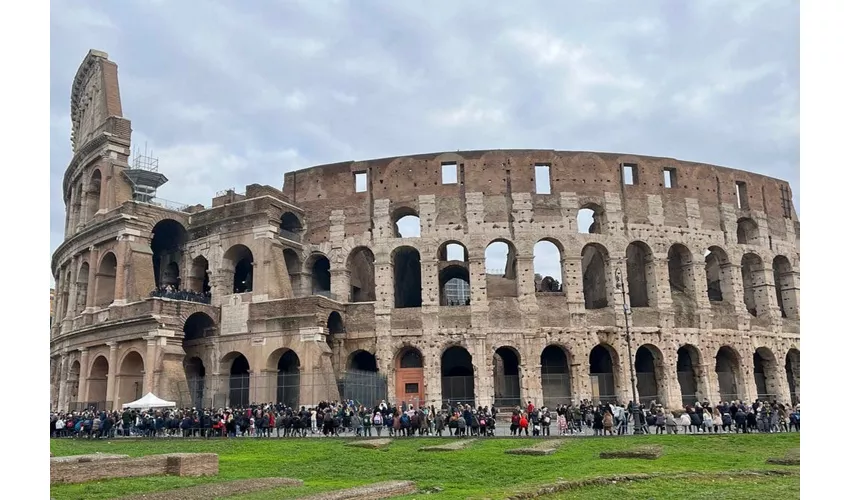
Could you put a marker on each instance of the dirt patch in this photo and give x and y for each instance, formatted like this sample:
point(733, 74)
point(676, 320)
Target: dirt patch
point(453, 446)
point(610, 480)
point(386, 489)
point(649, 452)
point(546, 447)
point(790, 458)
point(372, 444)
point(221, 489)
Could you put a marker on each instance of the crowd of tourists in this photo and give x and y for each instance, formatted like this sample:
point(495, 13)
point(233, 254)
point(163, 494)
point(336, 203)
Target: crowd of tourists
point(172, 292)
point(453, 419)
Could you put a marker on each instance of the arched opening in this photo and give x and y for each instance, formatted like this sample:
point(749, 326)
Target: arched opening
point(407, 277)
point(93, 197)
point(547, 267)
point(74, 382)
point(602, 379)
point(751, 267)
point(293, 269)
point(288, 378)
point(240, 259)
point(199, 278)
point(361, 268)
point(97, 383)
point(590, 219)
point(82, 288)
point(195, 378)
point(290, 226)
point(240, 382)
point(717, 269)
point(500, 266)
point(458, 376)
point(198, 326)
point(594, 271)
point(363, 361)
point(506, 377)
point(454, 274)
point(728, 369)
point(786, 289)
point(362, 382)
point(748, 231)
point(555, 376)
point(321, 276)
point(649, 371)
point(680, 267)
point(766, 373)
point(639, 270)
point(335, 326)
point(687, 361)
point(130, 378)
point(792, 373)
point(169, 237)
point(406, 223)
point(105, 280)
point(409, 376)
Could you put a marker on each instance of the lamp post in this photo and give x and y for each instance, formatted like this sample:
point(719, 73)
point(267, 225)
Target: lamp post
point(635, 405)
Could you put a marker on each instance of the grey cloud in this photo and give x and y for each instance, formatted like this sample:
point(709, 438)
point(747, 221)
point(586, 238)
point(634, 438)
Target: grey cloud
point(232, 94)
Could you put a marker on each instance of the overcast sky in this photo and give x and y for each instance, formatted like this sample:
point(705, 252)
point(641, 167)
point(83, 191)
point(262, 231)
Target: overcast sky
point(234, 93)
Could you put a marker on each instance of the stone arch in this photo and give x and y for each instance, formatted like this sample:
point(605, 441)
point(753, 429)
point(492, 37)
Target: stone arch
point(320, 274)
point(94, 192)
point(290, 226)
point(728, 370)
point(239, 379)
point(506, 377)
point(130, 377)
point(453, 264)
point(548, 258)
point(293, 269)
point(199, 276)
point(786, 288)
point(767, 375)
point(407, 277)
point(98, 375)
point(452, 251)
point(362, 360)
point(649, 371)
point(198, 326)
point(239, 259)
point(556, 378)
point(590, 219)
point(406, 223)
point(82, 288)
point(361, 268)
point(747, 231)
point(500, 263)
point(718, 275)
point(640, 271)
point(409, 375)
point(604, 376)
point(105, 280)
point(167, 243)
point(792, 374)
point(595, 271)
point(196, 374)
point(457, 375)
point(286, 363)
point(680, 268)
point(335, 326)
point(751, 267)
point(688, 371)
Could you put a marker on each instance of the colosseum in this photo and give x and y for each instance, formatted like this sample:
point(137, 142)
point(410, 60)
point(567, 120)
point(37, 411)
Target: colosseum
point(491, 277)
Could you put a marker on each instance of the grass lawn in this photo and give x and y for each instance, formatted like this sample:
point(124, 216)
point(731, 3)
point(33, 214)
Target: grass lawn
point(482, 470)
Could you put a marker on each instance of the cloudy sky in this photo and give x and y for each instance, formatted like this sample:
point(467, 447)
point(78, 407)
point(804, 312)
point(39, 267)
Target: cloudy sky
point(240, 92)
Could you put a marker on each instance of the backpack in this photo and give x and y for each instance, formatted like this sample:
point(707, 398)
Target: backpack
point(378, 420)
point(405, 420)
point(482, 423)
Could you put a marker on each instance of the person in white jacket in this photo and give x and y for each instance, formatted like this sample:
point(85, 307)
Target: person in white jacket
point(685, 422)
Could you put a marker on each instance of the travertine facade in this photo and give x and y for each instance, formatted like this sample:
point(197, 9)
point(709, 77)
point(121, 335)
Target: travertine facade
point(313, 280)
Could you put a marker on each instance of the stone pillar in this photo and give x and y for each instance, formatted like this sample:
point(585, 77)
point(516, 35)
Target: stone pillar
point(83, 390)
point(431, 374)
point(616, 298)
point(150, 365)
point(482, 363)
point(747, 382)
point(580, 379)
point(658, 290)
point(673, 390)
point(732, 287)
point(63, 381)
point(110, 376)
point(122, 270)
point(531, 387)
point(710, 384)
point(479, 303)
point(71, 309)
point(573, 286)
point(92, 284)
point(526, 292)
point(695, 272)
point(341, 284)
point(82, 209)
point(430, 281)
point(764, 292)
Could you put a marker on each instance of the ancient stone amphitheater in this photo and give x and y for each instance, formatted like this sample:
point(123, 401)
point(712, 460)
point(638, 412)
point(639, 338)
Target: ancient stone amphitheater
point(491, 277)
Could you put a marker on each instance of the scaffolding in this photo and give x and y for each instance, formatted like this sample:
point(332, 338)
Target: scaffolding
point(144, 176)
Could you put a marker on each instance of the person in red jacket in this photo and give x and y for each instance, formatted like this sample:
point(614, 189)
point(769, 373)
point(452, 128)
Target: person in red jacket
point(529, 409)
point(523, 424)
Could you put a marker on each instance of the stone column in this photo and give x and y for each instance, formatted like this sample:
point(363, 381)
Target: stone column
point(150, 365)
point(92, 284)
point(479, 303)
point(341, 284)
point(83, 391)
point(696, 273)
point(615, 297)
point(531, 387)
point(71, 310)
point(431, 374)
point(660, 294)
point(526, 290)
point(110, 376)
point(673, 396)
point(747, 382)
point(573, 286)
point(63, 381)
point(82, 209)
point(580, 379)
point(764, 292)
point(123, 270)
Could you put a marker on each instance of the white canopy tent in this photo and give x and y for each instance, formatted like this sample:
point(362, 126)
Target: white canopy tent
point(149, 401)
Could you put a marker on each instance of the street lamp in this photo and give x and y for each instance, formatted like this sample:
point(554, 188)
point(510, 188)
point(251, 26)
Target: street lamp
point(635, 405)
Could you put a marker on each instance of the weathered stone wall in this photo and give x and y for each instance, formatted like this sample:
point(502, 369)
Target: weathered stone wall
point(82, 469)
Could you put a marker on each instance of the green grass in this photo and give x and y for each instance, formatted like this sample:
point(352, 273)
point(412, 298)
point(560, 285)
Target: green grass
point(727, 488)
point(481, 470)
